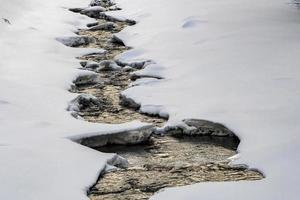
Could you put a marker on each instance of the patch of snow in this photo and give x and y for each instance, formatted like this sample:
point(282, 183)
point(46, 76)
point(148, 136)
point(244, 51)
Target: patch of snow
point(38, 158)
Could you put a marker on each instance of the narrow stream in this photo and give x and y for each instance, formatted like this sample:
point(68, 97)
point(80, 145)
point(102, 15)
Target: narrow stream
point(176, 157)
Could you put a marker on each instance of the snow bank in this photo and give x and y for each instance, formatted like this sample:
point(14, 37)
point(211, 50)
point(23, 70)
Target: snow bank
point(38, 160)
point(230, 61)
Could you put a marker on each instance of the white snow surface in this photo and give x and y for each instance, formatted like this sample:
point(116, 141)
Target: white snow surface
point(230, 61)
point(37, 158)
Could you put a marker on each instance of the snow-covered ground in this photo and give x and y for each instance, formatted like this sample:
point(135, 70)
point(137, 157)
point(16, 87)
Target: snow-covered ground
point(230, 61)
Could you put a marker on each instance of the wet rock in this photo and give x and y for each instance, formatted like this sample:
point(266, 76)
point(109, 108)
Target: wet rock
point(108, 65)
point(108, 26)
point(131, 136)
point(93, 12)
point(85, 102)
point(76, 41)
point(128, 102)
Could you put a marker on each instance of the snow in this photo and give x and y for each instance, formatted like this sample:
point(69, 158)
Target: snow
point(39, 160)
point(230, 61)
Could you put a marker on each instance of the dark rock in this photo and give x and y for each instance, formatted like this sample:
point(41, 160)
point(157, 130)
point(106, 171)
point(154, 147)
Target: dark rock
point(76, 10)
point(116, 40)
point(92, 24)
point(128, 102)
point(135, 76)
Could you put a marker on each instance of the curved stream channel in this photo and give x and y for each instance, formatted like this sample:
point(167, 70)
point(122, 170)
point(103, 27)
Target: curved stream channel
point(195, 152)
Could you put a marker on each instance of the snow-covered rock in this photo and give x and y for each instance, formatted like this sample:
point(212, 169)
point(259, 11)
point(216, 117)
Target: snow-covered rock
point(199, 127)
point(75, 41)
point(104, 3)
point(108, 65)
point(107, 26)
point(84, 101)
point(93, 12)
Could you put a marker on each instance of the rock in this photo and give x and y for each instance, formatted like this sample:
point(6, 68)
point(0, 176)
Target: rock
point(76, 10)
point(116, 40)
point(76, 41)
point(93, 12)
point(199, 127)
point(83, 102)
point(108, 26)
point(103, 3)
point(89, 65)
point(204, 127)
point(128, 69)
point(134, 64)
point(118, 161)
point(114, 8)
point(108, 65)
point(131, 136)
point(128, 102)
point(92, 24)
point(85, 80)
point(135, 76)
point(130, 22)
